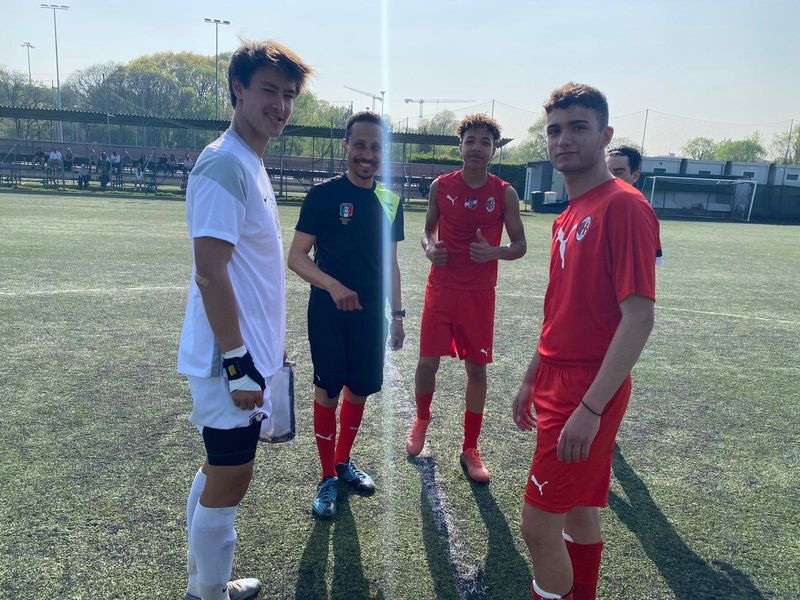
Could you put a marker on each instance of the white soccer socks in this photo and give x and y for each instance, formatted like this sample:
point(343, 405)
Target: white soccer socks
point(191, 504)
point(212, 542)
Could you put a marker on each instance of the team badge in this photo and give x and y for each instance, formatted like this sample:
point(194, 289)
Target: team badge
point(471, 203)
point(490, 204)
point(584, 227)
point(345, 210)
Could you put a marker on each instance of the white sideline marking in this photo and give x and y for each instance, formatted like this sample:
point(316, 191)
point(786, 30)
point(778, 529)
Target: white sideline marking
point(170, 288)
point(722, 314)
point(465, 569)
point(691, 310)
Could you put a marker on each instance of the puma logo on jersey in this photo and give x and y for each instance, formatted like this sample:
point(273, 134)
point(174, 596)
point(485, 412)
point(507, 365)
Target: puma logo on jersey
point(328, 438)
point(452, 200)
point(562, 242)
point(537, 484)
point(484, 352)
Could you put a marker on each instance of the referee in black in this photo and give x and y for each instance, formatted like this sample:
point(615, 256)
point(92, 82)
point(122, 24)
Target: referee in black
point(353, 224)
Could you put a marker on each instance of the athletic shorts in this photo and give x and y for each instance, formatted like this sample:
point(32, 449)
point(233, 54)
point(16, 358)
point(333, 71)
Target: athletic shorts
point(347, 347)
point(231, 447)
point(556, 486)
point(230, 434)
point(458, 323)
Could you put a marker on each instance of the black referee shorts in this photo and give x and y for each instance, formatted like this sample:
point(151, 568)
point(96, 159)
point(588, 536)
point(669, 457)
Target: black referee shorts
point(347, 347)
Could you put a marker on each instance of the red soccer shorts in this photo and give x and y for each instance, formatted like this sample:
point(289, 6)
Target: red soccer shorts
point(458, 323)
point(555, 486)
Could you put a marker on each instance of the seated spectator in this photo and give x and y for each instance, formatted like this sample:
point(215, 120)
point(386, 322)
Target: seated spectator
point(84, 177)
point(188, 163)
point(162, 164)
point(104, 179)
point(138, 183)
point(68, 159)
point(38, 159)
point(172, 165)
point(127, 160)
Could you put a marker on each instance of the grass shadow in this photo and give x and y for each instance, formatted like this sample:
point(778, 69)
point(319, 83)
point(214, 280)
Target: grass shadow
point(687, 574)
point(348, 572)
point(314, 563)
point(506, 571)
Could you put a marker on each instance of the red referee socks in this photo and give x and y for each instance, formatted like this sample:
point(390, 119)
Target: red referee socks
point(472, 429)
point(585, 560)
point(349, 422)
point(423, 405)
point(325, 435)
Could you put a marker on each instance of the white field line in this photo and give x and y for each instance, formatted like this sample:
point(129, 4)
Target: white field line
point(691, 310)
point(94, 291)
point(465, 569)
point(146, 289)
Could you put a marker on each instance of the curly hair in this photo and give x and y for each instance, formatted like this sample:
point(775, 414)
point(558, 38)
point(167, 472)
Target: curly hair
point(478, 120)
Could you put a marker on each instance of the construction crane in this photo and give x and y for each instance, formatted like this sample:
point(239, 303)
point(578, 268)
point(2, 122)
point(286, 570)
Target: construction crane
point(374, 97)
point(433, 101)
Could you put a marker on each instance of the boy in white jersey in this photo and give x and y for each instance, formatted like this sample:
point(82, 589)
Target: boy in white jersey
point(234, 330)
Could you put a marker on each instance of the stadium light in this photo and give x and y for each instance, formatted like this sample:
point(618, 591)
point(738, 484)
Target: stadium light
point(28, 45)
point(54, 8)
point(216, 23)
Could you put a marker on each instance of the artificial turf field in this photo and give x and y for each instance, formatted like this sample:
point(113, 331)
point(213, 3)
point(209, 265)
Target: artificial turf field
point(96, 454)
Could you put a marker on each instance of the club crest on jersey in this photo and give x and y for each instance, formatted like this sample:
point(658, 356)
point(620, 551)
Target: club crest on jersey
point(583, 228)
point(345, 210)
point(471, 203)
point(490, 204)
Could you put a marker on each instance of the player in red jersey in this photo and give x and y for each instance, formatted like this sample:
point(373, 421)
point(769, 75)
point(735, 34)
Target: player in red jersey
point(598, 314)
point(467, 210)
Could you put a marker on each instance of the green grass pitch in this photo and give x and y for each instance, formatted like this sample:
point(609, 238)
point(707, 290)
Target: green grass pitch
point(96, 454)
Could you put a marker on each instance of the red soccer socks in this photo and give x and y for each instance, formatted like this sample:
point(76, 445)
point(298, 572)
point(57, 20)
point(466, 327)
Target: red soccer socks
point(349, 422)
point(325, 435)
point(472, 429)
point(424, 406)
point(585, 560)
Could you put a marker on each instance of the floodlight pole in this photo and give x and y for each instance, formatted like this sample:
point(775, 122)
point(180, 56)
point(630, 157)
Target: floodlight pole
point(28, 46)
point(216, 23)
point(54, 8)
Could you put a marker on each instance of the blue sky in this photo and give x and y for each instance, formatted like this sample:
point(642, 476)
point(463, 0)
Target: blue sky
point(719, 61)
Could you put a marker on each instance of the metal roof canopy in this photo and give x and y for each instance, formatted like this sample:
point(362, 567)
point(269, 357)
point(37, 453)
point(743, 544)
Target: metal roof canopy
point(81, 116)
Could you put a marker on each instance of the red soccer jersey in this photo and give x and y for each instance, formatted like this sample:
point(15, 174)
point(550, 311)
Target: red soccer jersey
point(604, 250)
point(462, 211)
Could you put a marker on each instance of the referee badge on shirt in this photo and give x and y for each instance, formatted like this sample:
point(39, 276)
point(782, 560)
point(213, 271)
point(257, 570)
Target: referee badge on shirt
point(490, 204)
point(345, 212)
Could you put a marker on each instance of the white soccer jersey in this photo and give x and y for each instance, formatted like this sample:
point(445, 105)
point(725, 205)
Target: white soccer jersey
point(229, 197)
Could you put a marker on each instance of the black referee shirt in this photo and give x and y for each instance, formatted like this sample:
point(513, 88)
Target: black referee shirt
point(349, 224)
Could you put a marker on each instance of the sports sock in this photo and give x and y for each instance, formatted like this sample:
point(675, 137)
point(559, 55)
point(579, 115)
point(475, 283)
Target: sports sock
point(585, 559)
point(325, 435)
point(349, 422)
point(423, 405)
point(191, 504)
point(212, 543)
point(538, 593)
point(472, 429)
